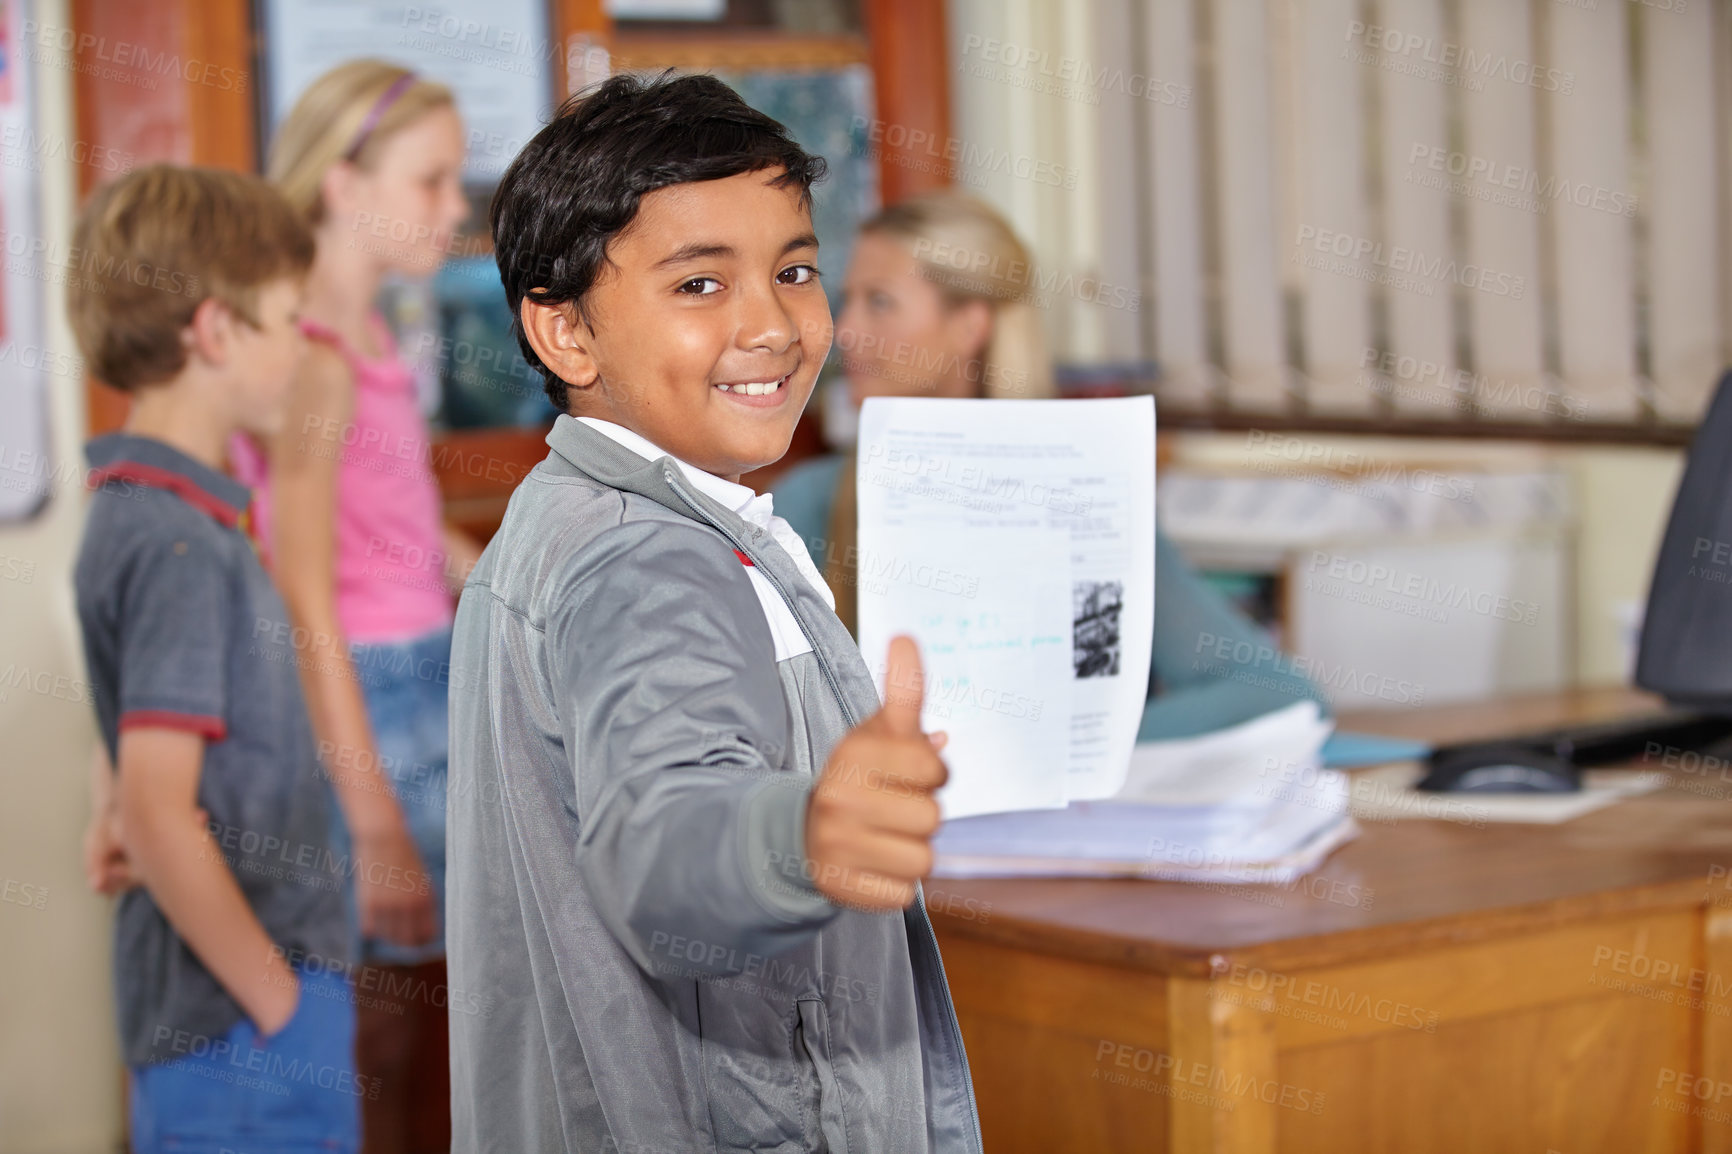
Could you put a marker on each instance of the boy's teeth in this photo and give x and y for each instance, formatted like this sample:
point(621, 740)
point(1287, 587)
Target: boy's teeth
point(752, 388)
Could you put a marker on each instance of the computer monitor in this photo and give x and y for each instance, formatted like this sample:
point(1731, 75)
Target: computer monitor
point(1686, 651)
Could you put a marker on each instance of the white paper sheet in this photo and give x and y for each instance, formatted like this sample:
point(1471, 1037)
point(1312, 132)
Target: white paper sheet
point(1386, 793)
point(1262, 757)
point(1015, 541)
point(1197, 835)
point(1309, 838)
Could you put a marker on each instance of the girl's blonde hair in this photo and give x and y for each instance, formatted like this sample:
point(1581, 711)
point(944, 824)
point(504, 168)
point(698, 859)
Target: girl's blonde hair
point(329, 123)
point(970, 252)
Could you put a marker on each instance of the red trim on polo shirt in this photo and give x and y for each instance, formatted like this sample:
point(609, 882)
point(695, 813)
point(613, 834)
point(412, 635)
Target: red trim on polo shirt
point(744, 560)
point(181, 486)
point(212, 728)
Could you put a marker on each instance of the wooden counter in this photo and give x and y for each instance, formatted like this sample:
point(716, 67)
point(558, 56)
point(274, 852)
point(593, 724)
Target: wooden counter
point(1434, 987)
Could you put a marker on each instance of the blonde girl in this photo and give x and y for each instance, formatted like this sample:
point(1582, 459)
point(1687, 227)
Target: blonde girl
point(348, 513)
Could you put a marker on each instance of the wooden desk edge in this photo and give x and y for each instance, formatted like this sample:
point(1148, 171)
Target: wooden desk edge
point(1329, 948)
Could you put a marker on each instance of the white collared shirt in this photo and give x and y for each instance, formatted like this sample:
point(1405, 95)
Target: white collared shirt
point(755, 509)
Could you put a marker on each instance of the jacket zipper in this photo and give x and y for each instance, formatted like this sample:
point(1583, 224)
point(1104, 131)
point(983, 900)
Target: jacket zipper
point(950, 1020)
point(739, 543)
point(848, 711)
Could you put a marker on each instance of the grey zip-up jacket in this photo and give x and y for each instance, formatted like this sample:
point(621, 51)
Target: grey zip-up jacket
point(643, 960)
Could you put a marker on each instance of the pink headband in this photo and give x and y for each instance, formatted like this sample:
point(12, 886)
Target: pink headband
point(377, 112)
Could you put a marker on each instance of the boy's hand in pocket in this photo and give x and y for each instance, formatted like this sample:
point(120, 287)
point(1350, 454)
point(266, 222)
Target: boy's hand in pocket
point(392, 886)
point(106, 868)
point(871, 818)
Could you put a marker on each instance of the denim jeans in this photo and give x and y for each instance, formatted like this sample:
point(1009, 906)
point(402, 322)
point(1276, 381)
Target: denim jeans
point(405, 686)
point(294, 1093)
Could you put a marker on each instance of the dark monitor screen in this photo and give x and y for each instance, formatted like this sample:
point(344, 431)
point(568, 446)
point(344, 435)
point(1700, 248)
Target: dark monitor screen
point(1686, 651)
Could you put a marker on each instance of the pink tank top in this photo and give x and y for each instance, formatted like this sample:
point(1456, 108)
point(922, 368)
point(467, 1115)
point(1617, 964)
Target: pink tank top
point(391, 566)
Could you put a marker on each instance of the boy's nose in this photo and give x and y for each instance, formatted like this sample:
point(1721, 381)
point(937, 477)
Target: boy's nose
point(766, 323)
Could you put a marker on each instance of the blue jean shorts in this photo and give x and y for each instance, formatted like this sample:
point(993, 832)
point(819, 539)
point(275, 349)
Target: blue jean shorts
point(294, 1093)
point(406, 686)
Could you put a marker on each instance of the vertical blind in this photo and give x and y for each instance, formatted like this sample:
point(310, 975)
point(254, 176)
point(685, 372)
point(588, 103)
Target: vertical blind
point(1513, 209)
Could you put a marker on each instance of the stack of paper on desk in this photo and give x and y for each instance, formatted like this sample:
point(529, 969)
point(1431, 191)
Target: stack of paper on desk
point(1272, 844)
point(1247, 805)
point(1248, 761)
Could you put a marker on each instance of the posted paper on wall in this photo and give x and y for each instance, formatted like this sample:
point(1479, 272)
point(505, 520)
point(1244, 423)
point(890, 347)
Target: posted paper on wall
point(1015, 541)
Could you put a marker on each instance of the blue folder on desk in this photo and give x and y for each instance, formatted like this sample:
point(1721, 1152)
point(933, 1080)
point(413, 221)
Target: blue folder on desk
point(1345, 750)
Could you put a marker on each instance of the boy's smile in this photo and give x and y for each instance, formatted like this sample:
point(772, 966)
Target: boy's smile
point(759, 394)
point(706, 329)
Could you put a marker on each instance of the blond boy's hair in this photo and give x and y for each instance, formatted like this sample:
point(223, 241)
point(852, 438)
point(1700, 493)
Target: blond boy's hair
point(153, 245)
point(346, 114)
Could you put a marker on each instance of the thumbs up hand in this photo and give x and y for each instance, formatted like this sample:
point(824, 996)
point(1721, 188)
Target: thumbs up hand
point(871, 817)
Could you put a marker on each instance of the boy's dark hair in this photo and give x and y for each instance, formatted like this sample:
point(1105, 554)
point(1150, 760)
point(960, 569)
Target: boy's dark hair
point(576, 185)
point(154, 244)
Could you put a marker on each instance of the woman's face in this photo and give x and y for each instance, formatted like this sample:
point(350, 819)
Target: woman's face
point(898, 336)
point(407, 208)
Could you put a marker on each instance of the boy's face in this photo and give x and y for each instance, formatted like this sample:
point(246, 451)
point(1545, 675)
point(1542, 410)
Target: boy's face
point(709, 327)
point(262, 359)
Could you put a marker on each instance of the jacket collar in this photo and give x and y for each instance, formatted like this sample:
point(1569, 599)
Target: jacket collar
point(752, 506)
point(606, 461)
point(661, 479)
point(158, 465)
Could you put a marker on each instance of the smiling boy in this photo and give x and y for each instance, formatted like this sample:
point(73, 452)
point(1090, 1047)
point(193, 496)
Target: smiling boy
point(685, 839)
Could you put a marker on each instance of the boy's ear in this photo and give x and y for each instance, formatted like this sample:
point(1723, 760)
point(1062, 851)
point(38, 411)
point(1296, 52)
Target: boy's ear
point(207, 335)
point(560, 340)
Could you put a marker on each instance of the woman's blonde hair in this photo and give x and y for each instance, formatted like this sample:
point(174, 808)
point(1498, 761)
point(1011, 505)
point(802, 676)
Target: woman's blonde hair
point(971, 253)
point(346, 114)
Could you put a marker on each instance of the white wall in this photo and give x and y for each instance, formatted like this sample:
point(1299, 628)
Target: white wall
point(1626, 495)
point(60, 1072)
point(1623, 496)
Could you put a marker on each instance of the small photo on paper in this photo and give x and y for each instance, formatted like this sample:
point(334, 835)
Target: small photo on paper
point(1095, 638)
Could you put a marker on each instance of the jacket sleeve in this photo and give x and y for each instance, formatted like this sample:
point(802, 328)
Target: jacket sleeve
point(1192, 688)
point(692, 840)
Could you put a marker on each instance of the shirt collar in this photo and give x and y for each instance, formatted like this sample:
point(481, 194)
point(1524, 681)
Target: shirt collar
point(752, 507)
point(158, 465)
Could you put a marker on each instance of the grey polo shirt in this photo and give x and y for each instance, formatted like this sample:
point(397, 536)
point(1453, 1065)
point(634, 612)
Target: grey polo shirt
point(183, 630)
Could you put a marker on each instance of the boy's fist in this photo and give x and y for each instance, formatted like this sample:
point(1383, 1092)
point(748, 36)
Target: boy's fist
point(872, 815)
point(106, 868)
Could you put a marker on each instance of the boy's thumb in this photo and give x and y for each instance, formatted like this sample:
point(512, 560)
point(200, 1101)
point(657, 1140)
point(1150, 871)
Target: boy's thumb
point(904, 687)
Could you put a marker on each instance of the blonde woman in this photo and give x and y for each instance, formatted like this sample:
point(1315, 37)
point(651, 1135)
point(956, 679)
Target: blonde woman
point(938, 301)
point(348, 512)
